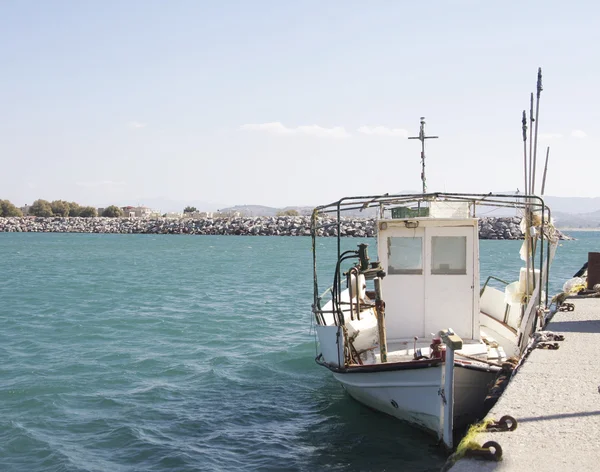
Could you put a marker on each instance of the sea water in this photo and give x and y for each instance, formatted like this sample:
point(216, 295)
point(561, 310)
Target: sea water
point(189, 353)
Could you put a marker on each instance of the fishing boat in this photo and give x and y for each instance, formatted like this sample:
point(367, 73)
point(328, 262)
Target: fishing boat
point(392, 329)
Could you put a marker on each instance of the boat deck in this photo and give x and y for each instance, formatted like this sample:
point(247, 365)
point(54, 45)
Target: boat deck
point(488, 350)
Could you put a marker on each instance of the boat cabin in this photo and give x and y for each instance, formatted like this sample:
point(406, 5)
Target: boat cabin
point(432, 266)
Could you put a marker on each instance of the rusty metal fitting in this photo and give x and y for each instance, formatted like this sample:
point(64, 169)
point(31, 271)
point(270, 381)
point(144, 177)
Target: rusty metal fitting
point(490, 451)
point(506, 423)
point(547, 345)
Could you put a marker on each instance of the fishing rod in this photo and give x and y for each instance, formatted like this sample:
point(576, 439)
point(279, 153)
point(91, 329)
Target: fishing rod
point(537, 114)
point(526, 232)
point(531, 167)
point(545, 170)
point(524, 122)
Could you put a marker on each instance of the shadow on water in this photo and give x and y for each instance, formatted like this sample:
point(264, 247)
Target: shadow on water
point(350, 436)
point(328, 429)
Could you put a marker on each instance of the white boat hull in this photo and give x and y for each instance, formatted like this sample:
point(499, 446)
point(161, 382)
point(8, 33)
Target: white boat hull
point(413, 395)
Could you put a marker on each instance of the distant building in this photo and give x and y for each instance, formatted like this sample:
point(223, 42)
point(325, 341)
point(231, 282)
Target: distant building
point(140, 212)
point(25, 210)
point(228, 214)
point(198, 214)
point(174, 214)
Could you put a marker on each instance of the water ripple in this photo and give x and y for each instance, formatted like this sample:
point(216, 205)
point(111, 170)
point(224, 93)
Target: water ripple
point(156, 353)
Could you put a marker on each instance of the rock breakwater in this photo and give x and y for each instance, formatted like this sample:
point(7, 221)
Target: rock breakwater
point(489, 228)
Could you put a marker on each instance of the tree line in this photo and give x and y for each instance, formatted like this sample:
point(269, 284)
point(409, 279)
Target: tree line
point(62, 208)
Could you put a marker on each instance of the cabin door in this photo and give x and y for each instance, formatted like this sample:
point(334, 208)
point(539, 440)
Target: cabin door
point(450, 284)
point(401, 252)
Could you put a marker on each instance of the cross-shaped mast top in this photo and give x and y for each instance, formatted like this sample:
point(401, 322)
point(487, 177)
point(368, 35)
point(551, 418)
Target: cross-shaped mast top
point(422, 138)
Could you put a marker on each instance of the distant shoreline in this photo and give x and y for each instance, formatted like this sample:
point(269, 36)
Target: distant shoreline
point(579, 229)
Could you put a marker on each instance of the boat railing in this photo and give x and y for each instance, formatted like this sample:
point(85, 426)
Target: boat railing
point(491, 277)
point(319, 312)
point(324, 294)
point(338, 309)
point(530, 204)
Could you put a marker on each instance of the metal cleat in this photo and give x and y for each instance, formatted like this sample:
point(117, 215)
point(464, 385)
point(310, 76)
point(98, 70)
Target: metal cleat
point(566, 307)
point(547, 345)
point(506, 423)
point(490, 451)
point(542, 336)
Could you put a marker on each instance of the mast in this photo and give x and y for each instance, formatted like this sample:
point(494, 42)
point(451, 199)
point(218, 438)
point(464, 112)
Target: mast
point(422, 138)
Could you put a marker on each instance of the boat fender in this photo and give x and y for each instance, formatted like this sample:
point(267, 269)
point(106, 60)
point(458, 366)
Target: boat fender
point(362, 286)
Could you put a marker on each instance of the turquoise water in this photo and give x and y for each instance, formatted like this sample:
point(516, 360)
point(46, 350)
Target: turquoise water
point(163, 353)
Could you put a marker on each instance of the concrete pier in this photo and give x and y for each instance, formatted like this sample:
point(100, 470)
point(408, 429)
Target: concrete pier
point(555, 398)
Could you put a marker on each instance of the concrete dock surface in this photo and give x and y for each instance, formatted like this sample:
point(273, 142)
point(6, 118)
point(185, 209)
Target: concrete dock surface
point(555, 398)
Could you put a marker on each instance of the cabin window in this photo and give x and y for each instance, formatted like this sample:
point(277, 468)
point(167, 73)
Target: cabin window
point(449, 255)
point(405, 255)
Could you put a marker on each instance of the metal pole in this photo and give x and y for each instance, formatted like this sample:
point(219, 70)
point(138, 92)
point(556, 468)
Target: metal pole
point(380, 313)
point(422, 138)
point(524, 122)
point(531, 168)
point(545, 170)
point(449, 390)
point(453, 342)
point(423, 166)
point(537, 114)
point(547, 262)
point(526, 216)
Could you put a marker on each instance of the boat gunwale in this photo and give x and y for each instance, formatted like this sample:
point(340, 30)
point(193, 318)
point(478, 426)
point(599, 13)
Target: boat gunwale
point(502, 323)
point(402, 365)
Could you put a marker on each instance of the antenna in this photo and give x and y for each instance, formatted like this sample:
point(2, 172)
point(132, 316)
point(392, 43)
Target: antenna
point(422, 138)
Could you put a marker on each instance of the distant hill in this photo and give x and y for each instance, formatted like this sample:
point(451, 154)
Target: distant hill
point(260, 210)
point(579, 220)
point(575, 205)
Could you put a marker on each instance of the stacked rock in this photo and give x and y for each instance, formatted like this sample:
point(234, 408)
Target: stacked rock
point(489, 228)
point(500, 228)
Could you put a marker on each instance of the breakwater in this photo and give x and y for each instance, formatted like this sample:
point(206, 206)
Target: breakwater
point(489, 228)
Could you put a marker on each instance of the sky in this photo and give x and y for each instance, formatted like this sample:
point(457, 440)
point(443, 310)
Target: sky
point(283, 103)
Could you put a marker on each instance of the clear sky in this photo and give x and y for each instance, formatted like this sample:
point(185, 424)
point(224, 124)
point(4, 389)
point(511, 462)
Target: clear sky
point(290, 102)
